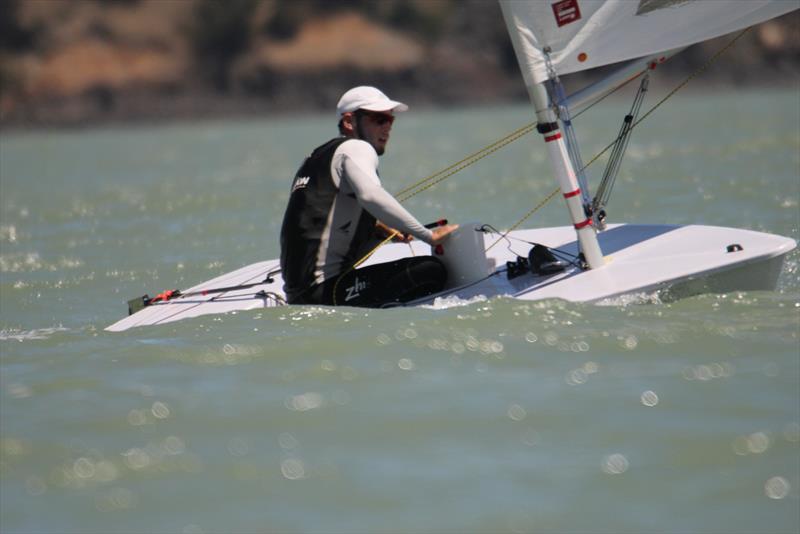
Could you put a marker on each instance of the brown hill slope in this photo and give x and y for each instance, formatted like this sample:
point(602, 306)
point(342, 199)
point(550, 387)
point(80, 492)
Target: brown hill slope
point(75, 62)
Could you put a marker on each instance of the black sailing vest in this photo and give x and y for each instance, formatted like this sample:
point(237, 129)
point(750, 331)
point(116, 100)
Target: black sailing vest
point(307, 237)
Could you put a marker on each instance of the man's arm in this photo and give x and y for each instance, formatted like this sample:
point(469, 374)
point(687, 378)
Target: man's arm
point(439, 233)
point(358, 165)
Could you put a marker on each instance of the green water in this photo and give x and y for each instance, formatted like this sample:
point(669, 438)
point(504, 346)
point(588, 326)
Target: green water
point(496, 416)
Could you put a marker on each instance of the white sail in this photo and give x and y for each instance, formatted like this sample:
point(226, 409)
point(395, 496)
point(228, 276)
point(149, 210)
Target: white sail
point(583, 34)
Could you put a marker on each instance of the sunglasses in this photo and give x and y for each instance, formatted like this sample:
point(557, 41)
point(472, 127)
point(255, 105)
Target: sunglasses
point(378, 118)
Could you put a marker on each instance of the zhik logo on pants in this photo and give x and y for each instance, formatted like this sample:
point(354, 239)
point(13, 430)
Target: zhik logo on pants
point(354, 291)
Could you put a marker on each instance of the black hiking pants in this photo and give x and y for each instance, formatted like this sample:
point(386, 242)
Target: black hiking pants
point(381, 285)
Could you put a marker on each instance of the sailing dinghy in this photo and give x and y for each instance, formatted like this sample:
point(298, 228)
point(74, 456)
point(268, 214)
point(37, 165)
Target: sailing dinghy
point(589, 261)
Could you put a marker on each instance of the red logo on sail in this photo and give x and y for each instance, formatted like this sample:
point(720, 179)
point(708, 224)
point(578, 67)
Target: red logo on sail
point(566, 11)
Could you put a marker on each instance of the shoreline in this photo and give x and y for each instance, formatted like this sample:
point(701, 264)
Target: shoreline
point(142, 110)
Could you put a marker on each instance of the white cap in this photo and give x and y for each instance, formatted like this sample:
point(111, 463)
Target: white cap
point(367, 98)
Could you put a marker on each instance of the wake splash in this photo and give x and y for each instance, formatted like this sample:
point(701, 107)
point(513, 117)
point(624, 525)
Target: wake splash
point(632, 299)
point(629, 299)
point(443, 303)
point(15, 334)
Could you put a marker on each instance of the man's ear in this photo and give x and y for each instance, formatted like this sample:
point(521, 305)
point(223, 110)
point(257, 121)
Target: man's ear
point(349, 124)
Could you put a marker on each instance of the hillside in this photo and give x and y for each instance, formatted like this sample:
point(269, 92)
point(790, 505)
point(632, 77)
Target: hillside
point(73, 62)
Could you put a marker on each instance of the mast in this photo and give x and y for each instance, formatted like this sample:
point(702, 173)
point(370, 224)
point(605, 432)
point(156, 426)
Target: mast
point(565, 175)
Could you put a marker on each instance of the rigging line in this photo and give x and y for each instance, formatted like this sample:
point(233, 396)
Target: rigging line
point(488, 228)
point(493, 147)
point(603, 192)
point(593, 104)
point(571, 142)
point(680, 86)
point(516, 134)
point(437, 177)
point(522, 220)
point(699, 71)
point(465, 165)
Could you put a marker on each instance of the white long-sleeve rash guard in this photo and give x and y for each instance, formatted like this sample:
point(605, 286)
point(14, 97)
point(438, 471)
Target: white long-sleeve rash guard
point(354, 168)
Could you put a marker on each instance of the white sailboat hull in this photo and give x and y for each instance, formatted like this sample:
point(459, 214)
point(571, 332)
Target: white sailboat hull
point(675, 261)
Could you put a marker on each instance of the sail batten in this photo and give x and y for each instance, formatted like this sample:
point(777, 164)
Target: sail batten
point(584, 34)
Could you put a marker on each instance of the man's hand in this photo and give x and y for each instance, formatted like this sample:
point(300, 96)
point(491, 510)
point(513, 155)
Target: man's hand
point(402, 238)
point(440, 233)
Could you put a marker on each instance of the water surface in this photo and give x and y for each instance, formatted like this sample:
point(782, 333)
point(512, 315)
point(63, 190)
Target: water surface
point(494, 416)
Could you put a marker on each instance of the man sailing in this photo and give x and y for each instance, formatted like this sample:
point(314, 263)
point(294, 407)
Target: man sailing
point(338, 209)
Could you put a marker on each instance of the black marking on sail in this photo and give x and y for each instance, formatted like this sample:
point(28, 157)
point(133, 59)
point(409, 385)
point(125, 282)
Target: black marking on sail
point(345, 226)
point(648, 6)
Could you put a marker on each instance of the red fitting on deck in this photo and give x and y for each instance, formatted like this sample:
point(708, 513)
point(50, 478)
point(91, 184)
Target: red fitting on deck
point(165, 295)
